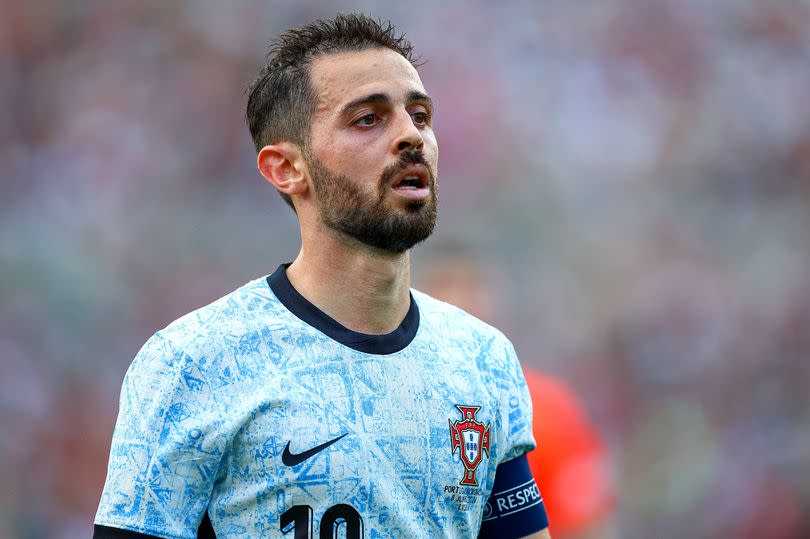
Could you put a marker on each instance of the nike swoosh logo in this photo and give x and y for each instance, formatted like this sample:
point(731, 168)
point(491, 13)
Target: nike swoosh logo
point(292, 459)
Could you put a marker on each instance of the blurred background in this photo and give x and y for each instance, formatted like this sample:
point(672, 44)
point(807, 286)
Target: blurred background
point(625, 188)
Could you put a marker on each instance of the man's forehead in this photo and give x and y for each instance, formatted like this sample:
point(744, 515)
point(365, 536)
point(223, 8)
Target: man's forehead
point(341, 77)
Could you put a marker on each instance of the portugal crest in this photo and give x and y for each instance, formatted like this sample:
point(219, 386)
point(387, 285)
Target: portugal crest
point(472, 438)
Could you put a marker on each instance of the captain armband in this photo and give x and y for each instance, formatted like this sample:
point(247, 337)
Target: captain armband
point(515, 508)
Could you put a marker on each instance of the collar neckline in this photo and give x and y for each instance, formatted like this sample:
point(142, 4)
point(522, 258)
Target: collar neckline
point(362, 342)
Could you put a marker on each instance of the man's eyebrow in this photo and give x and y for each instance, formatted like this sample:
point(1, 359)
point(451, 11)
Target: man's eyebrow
point(372, 99)
point(416, 95)
point(380, 98)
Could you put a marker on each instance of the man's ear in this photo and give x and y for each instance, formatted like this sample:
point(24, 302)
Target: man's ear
point(283, 165)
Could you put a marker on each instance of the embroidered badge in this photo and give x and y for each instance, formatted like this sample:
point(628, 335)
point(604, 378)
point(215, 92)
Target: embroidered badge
point(471, 437)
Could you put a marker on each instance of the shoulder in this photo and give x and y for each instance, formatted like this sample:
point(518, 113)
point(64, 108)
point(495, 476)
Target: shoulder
point(458, 325)
point(439, 312)
point(207, 339)
point(240, 312)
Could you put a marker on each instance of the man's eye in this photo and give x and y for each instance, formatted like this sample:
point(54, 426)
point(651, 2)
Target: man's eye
point(366, 121)
point(420, 118)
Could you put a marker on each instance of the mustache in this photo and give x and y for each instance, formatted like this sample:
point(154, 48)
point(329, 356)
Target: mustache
point(406, 158)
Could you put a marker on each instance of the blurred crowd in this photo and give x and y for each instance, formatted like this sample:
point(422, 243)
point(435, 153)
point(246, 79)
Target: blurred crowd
point(632, 180)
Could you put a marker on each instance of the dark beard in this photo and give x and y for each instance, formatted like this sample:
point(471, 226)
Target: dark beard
point(346, 208)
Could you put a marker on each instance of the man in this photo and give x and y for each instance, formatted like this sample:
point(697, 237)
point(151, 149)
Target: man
point(329, 398)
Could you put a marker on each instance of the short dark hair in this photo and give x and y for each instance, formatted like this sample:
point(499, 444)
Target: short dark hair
point(281, 99)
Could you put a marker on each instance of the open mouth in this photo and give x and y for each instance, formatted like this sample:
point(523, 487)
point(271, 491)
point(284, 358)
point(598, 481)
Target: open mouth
point(412, 182)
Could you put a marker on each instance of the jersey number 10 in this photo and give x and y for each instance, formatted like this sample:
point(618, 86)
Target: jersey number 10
point(299, 518)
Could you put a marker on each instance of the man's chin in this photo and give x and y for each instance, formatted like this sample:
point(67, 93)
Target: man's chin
point(416, 207)
point(393, 225)
point(412, 207)
point(411, 230)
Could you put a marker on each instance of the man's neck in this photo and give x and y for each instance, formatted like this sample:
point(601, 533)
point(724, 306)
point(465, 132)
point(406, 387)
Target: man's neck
point(363, 290)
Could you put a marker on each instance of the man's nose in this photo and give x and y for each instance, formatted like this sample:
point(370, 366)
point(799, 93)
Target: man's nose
point(408, 136)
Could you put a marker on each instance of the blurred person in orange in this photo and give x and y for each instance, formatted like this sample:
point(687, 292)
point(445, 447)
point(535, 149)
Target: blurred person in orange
point(571, 461)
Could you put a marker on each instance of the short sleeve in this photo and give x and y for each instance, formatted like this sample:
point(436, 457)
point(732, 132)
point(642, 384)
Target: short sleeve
point(516, 408)
point(166, 447)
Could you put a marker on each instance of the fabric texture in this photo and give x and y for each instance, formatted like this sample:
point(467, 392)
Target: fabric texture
point(251, 413)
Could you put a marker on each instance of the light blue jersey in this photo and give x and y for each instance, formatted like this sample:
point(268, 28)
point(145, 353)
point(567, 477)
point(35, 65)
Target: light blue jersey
point(280, 422)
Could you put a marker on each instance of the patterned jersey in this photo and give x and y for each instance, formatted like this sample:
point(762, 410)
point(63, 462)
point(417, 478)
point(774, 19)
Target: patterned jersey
point(279, 422)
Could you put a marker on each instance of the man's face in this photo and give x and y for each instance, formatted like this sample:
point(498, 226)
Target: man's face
point(373, 154)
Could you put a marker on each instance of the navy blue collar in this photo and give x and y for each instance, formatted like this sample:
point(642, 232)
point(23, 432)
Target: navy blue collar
point(309, 313)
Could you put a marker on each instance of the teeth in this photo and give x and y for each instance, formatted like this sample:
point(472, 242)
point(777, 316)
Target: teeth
point(409, 182)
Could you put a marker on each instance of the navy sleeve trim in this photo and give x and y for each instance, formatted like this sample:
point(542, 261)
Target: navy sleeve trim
point(515, 508)
point(106, 532)
point(205, 531)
